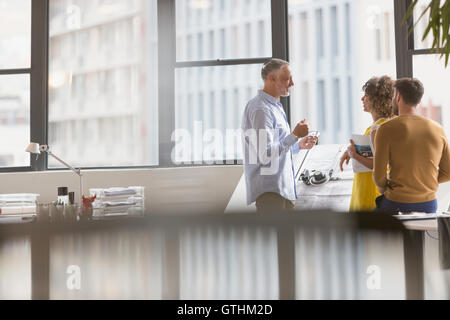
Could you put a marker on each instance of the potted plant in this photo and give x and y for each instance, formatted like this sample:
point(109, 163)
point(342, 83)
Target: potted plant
point(438, 25)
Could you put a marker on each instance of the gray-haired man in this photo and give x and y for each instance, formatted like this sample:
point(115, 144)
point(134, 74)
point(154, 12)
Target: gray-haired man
point(269, 143)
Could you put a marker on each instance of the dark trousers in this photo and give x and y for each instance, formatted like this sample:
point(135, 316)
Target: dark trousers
point(386, 205)
point(273, 202)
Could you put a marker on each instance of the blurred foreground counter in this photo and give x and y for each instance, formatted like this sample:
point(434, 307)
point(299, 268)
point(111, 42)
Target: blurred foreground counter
point(297, 255)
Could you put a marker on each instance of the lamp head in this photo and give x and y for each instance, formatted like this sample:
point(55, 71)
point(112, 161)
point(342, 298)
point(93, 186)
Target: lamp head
point(34, 148)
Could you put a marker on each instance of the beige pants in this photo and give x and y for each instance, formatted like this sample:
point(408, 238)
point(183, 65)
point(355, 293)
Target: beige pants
point(273, 202)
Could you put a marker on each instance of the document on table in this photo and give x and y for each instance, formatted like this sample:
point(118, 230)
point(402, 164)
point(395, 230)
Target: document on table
point(336, 193)
point(325, 158)
point(331, 188)
point(336, 203)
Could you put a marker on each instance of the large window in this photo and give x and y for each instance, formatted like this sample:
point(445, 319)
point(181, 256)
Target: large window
point(421, 25)
point(15, 34)
point(429, 68)
point(335, 47)
point(209, 108)
point(103, 86)
point(15, 63)
point(214, 29)
point(165, 82)
point(220, 49)
point(436, 101)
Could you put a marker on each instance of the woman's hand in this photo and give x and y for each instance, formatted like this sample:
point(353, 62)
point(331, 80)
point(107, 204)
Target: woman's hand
point(349, 154)
point(365, 161)
point(351, 150)
point(345, 158)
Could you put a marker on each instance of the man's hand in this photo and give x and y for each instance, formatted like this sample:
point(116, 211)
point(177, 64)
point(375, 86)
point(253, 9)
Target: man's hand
point(308, 142)
point(345, 158)
point(302, 129)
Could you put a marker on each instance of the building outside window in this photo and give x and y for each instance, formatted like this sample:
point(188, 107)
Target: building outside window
point(242, 34)
point(15, 63)
point(338, 53)
point(103, 74)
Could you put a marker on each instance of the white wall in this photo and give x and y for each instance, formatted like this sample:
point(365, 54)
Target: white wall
point(175, 189)
point(203, 188)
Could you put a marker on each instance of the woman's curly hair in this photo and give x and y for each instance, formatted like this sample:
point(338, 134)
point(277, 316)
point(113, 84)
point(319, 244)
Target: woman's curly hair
point(380, 92)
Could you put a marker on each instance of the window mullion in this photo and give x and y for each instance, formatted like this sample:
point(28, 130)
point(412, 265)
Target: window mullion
point(280, 39)
point(166, 79)
point(15, 71)
point(39, 76)
point(402, 40)
point(220, 62)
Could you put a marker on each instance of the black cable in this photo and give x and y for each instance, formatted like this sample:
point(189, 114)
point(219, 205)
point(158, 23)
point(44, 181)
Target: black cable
point(301, 165)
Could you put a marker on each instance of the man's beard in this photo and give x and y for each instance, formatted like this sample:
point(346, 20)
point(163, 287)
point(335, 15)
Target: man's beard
point(286, 93)
point(283, 91)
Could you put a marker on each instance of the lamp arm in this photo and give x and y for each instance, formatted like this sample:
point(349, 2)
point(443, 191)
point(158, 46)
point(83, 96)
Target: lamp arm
point(77, 171)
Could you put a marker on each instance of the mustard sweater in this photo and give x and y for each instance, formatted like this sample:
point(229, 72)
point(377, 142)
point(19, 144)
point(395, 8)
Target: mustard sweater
point(416, 152)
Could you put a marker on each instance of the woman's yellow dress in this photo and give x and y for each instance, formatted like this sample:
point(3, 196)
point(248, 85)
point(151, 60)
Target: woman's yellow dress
point(364, 190)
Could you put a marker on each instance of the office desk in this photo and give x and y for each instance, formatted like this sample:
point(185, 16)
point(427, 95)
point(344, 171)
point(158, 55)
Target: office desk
point(334, 195)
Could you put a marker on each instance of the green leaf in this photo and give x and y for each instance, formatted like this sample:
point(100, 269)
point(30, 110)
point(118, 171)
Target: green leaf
point(445, 22)
point(427, 30)
point(445, 30)
point(410, 11)
point(447, 52)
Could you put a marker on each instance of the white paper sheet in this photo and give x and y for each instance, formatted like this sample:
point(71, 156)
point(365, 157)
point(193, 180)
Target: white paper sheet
point(333, 195)
point(362, 144)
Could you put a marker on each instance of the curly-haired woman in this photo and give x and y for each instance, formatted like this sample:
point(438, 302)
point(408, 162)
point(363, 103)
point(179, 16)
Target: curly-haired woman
point(377, 100)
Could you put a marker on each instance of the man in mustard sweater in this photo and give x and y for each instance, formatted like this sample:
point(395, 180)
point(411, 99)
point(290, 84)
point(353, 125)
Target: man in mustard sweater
point(414, 151)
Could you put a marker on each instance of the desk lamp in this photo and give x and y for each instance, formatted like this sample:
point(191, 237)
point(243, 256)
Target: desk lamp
point(34, 148)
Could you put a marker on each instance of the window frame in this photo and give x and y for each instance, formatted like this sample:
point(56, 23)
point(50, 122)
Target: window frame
point(404, 40)
point(166, 13)
point(38, 79)
point(279, 50)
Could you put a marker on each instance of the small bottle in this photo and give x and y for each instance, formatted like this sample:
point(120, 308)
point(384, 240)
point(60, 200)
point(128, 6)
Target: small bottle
point(71, 214)
point(71, 198)
point(63, 196)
